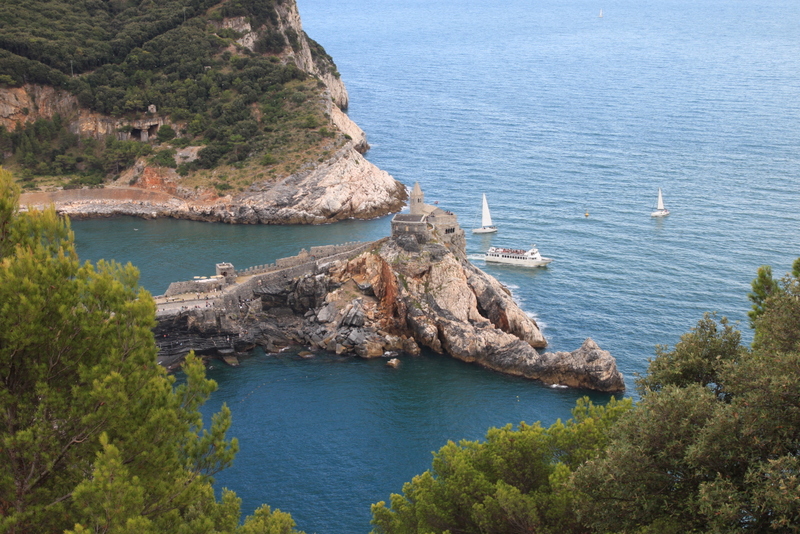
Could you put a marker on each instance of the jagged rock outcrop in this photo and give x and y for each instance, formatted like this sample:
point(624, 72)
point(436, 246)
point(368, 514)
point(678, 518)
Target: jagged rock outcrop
point(344, 186)
point(316, 63)
point(298, 48)
point(394, 297)
point(348, 127)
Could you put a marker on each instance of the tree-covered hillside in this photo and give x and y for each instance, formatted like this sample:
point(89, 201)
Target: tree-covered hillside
point(247, 106)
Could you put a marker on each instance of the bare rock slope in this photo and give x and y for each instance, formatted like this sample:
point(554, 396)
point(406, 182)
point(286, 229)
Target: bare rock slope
point(344, 186)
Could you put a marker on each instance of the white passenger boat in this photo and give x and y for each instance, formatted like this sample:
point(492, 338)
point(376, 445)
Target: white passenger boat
point(513, 256)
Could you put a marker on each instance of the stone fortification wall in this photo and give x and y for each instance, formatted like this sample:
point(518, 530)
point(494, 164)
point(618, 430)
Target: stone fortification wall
point(283, 269)
point(240, 293)
point(411, 227)
point(456, 238)
point(443, 218)
point(342, 252)
point(246, 290)
point(304, 257)
point(330, 250)
point(193, 286)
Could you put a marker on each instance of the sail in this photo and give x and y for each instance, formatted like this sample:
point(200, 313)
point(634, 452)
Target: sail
point(486, 217)
point(660, 203)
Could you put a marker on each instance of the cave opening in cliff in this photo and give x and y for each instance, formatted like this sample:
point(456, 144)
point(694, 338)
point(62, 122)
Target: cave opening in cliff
point(144, 134)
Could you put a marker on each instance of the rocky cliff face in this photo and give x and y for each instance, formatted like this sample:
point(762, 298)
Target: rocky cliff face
point(298, 51)
point(398, 296)
point(20, 105)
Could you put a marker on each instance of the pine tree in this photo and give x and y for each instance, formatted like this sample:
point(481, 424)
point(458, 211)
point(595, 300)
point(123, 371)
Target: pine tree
point(94, 435)
point(515, 481)
point(763, 286)
point(713, 444)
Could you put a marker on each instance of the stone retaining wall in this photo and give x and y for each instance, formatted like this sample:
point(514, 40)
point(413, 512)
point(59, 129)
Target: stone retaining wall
point(247, 289)
point(302, 258)
point(193, 286)
point(283, 269)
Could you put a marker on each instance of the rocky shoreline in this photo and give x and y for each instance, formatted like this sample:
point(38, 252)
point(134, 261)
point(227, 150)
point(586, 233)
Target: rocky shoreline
point(345, 186)
point(375, 300)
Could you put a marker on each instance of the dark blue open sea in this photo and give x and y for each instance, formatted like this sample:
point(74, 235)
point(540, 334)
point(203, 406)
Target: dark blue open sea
point(553, 112)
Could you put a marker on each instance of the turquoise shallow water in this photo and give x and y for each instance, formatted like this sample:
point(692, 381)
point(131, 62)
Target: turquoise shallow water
point(551, 111)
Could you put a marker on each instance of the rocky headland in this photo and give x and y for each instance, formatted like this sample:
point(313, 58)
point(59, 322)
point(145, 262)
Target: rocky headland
point(339, 184)
point(372, 300)
point(345, 186)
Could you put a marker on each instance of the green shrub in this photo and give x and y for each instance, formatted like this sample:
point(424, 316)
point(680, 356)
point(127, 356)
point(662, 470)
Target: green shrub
point(181, 142)
point(165, 133)
point(270, 42)
point(183, 169)
point(90, 180)
point(164, 158)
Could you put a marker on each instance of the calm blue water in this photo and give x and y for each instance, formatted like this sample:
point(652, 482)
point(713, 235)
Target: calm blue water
point(552, 112)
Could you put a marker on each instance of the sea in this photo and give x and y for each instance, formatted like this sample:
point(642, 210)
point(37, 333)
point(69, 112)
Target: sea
point(569, 122)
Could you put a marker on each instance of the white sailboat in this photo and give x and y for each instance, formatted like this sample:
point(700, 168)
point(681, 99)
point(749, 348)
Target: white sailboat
point(486, 220)
point(660, 211)
point(601, 14)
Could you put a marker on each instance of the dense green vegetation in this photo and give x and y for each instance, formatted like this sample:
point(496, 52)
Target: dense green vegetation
point(94, 436)
point(120, 57)
point(515, 481)
point(711, 447)
point(46, 148)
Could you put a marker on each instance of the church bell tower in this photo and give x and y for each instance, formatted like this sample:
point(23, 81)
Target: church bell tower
point(417, 200)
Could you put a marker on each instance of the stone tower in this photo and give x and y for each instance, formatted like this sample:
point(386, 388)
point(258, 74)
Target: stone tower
point(226, 272)
point(417, 200)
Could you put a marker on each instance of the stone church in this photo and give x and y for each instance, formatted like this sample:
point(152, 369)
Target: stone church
point(428, 223)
